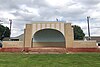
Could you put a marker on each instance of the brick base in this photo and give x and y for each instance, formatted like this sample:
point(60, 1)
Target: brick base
point(46, 50)
point(11, 49)
point(83, 49)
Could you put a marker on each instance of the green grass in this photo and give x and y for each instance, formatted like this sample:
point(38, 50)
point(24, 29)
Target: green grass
point(49, 60)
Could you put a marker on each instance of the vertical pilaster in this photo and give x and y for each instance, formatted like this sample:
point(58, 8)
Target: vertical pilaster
point(69, 35)
point(28, 35)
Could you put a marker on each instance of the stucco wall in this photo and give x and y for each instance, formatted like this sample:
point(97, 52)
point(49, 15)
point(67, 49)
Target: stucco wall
point(69, 35)
point(85, 44)
point(31, 29)
point(36, 26)
point(11, 44)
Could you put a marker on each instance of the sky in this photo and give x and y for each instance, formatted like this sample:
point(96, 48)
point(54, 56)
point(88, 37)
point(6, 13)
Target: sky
point(74, 11)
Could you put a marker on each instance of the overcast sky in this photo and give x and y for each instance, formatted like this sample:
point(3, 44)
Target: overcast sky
point(74, 11)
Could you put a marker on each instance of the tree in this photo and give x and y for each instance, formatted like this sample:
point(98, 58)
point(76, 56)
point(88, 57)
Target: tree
point(78, 33)
point(4, 31)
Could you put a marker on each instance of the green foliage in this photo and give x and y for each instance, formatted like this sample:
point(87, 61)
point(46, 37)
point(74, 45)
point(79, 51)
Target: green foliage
point(78, 33)
point(2, 29)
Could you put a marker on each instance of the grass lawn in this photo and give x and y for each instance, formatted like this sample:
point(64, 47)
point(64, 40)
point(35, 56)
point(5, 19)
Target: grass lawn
point(49, 60)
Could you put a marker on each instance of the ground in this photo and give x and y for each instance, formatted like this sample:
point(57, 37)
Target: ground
point(49, 60)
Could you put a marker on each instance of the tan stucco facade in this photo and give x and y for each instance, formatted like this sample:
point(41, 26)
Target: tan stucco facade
point(64, 28)
point(13, 44)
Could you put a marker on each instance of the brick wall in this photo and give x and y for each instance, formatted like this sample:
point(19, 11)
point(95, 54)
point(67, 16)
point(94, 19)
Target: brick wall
point(85, 44)
point(12, 44)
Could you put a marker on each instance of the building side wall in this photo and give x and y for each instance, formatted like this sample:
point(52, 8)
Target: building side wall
point(12, 44)
point(85, 44)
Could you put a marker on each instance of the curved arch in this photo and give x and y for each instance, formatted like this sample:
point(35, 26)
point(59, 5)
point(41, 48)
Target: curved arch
point(48, 28)
point(48, 38)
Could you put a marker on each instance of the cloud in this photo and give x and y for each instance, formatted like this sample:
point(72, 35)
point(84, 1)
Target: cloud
point(88, 2)
point(26, 11)
point(60, 3)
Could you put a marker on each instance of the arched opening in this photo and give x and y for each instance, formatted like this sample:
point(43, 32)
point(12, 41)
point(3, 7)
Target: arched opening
point(48, 38)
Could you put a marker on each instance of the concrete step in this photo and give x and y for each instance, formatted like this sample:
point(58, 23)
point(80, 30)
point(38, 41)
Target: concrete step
point(48, 50)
